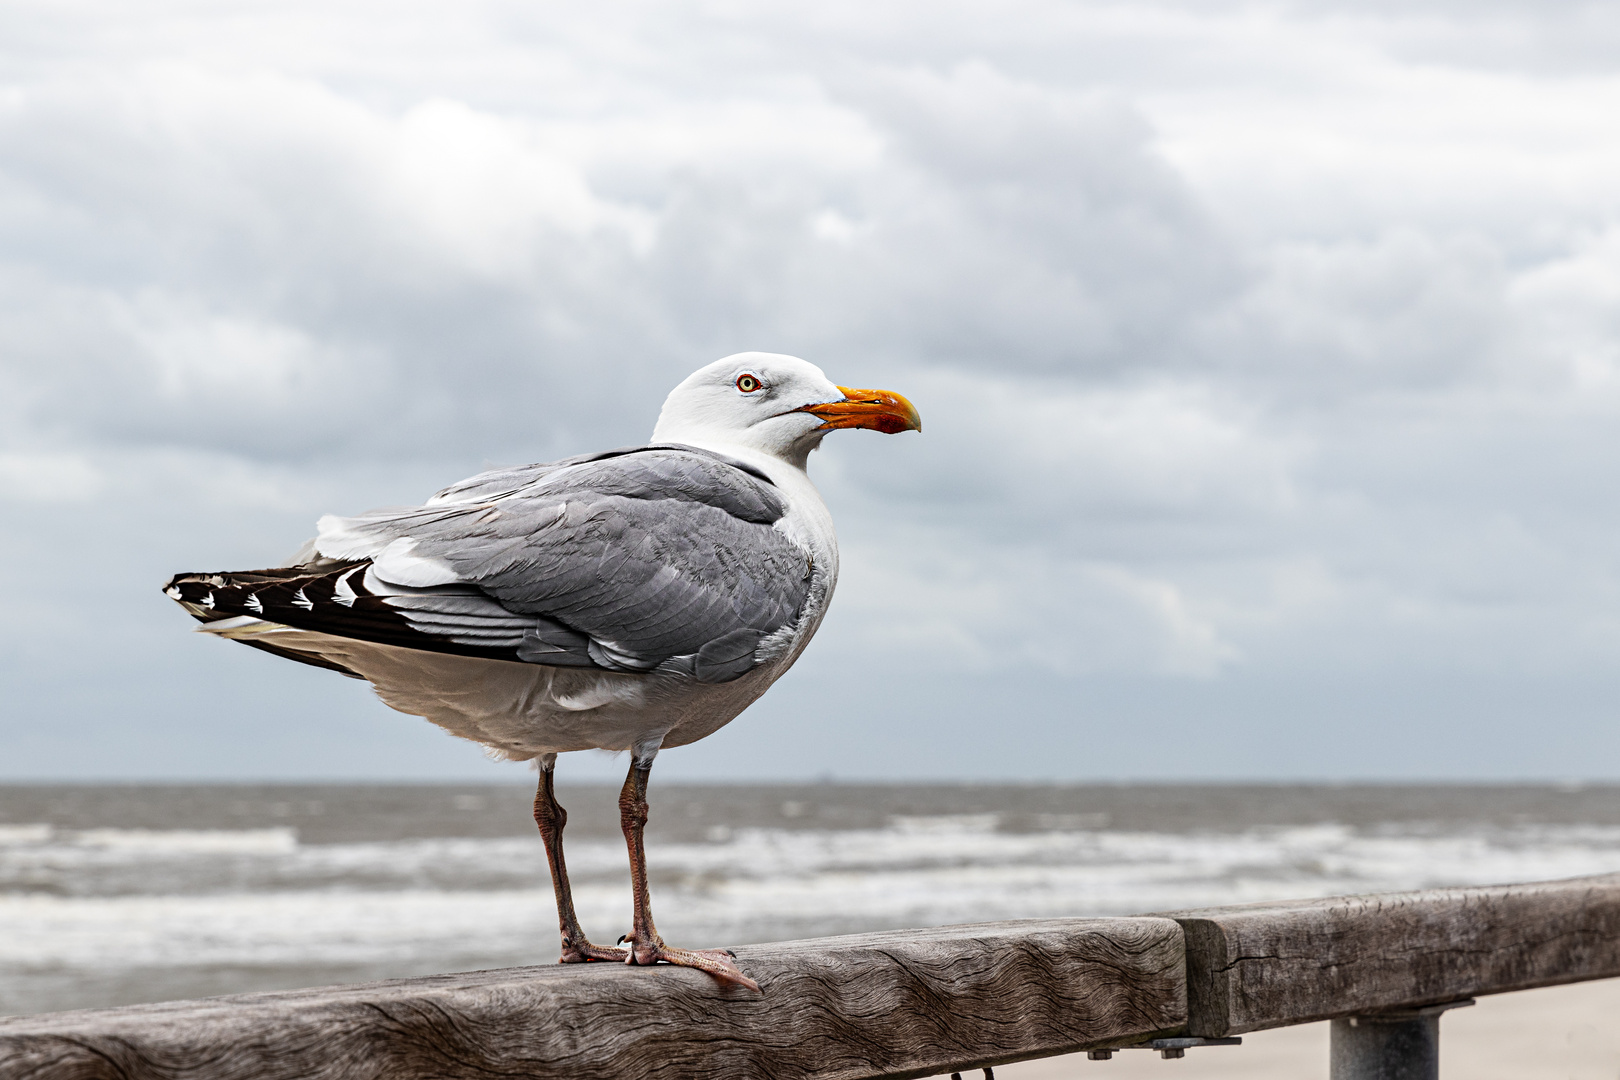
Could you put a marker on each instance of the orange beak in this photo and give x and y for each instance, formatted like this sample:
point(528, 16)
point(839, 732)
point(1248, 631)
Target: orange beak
point(879, 410)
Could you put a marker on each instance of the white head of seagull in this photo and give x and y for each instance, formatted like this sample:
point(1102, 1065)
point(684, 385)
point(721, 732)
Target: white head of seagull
point(773, 404)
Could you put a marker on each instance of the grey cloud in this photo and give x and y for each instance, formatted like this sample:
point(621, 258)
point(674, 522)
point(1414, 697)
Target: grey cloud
point(1406, 311)
point(1082, 248)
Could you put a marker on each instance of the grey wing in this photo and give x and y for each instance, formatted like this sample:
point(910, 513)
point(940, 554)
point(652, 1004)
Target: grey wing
point(499, 483)
point(629, 561)
point(634, 474)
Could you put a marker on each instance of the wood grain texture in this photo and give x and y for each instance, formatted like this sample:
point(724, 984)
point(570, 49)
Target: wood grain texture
point(1267, 965)
point(902, 1004)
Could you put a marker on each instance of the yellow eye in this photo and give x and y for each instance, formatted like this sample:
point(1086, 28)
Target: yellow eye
point(748, 383)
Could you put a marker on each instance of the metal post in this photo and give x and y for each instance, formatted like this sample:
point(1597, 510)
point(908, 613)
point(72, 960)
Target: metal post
point(1395, 1045)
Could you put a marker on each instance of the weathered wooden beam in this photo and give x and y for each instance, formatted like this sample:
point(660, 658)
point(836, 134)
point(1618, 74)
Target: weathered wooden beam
point(902, 1004)
point(1267, 965)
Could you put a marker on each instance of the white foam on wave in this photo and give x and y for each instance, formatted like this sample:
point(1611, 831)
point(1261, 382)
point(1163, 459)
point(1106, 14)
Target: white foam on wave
point(280, 840)
point(20, 835)
point(52, 933)
point(944, 824)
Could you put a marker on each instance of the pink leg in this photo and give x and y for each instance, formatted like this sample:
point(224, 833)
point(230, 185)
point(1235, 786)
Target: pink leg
point(646, 947)
point(551, 817)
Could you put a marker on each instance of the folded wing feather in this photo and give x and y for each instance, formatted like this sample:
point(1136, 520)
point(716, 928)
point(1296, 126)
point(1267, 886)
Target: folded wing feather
point(625, 561)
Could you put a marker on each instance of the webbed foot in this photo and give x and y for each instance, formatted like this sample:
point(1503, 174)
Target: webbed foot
point(721, 963)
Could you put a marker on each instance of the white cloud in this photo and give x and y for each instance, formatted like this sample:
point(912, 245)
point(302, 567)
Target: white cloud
point(44, 477)
point(1568, 310)
point(1005, 611)
point(195, 355)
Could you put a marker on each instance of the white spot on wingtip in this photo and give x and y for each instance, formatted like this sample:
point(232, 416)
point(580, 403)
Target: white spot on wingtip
point(172, 592)
point(208, 601)
point(303, 601)
point(254, 604)
point(344, 593)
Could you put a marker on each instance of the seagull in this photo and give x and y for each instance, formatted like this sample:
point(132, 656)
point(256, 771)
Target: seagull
point(629, 600)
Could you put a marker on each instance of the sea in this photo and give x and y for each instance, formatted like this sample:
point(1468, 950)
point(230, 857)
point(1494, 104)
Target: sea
point(115, 894)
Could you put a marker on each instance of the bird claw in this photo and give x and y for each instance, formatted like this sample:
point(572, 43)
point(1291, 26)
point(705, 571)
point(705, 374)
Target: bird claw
point(721, 963)
point(581, 954)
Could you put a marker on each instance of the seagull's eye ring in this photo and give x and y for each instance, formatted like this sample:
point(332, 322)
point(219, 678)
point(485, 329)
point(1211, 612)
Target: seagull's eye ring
point(748, 382)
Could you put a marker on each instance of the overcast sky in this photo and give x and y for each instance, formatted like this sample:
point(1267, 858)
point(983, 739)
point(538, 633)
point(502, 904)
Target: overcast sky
point(1269, 356)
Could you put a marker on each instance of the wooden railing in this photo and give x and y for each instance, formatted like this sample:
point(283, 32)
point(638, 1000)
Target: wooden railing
point(900, 1004)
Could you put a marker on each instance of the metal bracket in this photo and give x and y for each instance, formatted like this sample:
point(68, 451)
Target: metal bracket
point(1168, 1048)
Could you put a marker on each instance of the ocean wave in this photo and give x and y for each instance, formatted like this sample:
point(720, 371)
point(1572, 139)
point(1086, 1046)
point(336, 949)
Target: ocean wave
point(113, 862)
point(128, 899)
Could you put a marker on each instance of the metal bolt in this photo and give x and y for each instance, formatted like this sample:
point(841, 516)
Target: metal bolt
point(1099, 1055)
point(1173, 1052)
